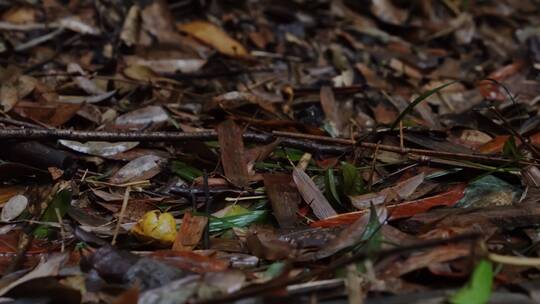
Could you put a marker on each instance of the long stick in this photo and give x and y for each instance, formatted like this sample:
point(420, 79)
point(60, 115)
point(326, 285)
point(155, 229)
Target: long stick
point(293, 140)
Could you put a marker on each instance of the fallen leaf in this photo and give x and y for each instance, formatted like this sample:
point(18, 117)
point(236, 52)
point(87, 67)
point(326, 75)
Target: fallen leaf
point(401, 191)
point(47, 267)
point(99, 148)
point(400, 210)
point(232, 153)
point(215, 37)
point(14, 207)
point(52, 114)
point(190, 233)
point(312, 195)
point(284, 198)
point(141, 168)
point(148, 118)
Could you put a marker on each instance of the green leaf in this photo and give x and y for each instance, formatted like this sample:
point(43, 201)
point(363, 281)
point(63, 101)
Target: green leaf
point(372, 234)
point(418, 100)
point(242, 220)
point(61, 201)
point(510, 149)
point(352, 181)
point(274, 270)
point(478, 289)
point(236, 210)
point(330, 185)
point(293, 154)
point(185, 171)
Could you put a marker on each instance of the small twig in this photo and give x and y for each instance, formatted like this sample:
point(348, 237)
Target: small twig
point(121, 216)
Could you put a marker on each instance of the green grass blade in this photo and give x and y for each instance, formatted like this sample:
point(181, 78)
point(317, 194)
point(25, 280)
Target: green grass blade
point(418, 100)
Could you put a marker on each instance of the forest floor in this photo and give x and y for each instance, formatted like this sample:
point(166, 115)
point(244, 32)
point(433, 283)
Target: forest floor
point(184, 151)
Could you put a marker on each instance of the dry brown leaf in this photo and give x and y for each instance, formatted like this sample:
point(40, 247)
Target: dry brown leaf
point(232, 153)
point(52, 114)
point(312, 195)
point(401, 191)
point(20, 14)
point(214, 36)
point(284, 198)
point(190, 233)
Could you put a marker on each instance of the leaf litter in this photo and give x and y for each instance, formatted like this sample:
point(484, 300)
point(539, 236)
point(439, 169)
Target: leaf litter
point(308, 151)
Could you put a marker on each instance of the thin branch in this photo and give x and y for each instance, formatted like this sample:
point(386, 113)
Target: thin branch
point(293, 140)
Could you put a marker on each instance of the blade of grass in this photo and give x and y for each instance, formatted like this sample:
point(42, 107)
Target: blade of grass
point(418, 100)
